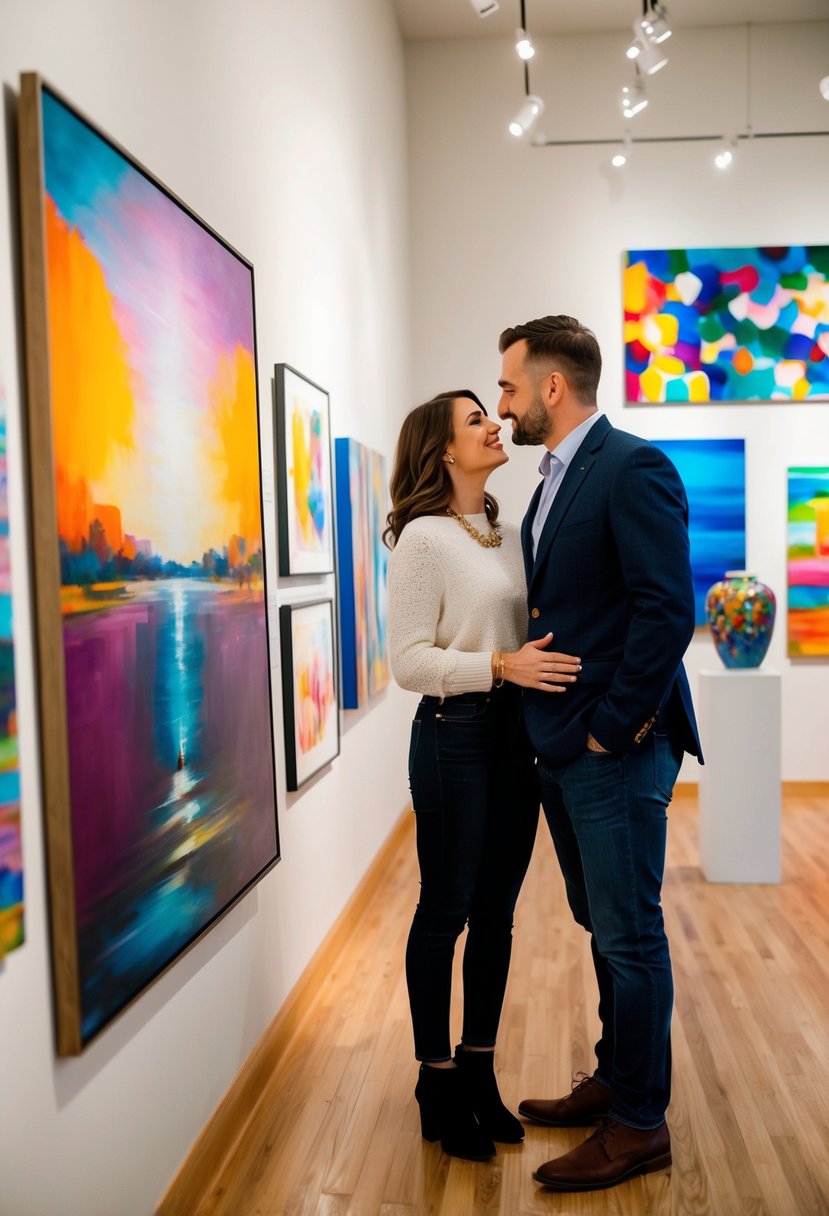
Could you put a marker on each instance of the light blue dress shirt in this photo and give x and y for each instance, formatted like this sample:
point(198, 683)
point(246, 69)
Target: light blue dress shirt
point(552, 468)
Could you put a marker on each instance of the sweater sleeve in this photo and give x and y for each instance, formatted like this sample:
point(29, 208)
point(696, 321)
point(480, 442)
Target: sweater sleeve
point(416, 593)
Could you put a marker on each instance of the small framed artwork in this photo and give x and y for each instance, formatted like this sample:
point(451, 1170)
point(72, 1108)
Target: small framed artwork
point(309, 689)
point(303, 472)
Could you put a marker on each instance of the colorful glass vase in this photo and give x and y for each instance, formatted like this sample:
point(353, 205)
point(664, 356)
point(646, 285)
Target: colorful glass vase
point(740, 611)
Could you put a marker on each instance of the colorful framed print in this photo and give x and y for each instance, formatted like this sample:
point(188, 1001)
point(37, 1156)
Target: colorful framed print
point(362, 505)
point(714, 474)
point(155, 697)
point(12, 924)
point(304, 481)
point(309, 689)
point(724, 325)
point(808, 561)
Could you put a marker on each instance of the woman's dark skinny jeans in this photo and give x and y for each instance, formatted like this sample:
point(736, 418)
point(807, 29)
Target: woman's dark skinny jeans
point(474, 793)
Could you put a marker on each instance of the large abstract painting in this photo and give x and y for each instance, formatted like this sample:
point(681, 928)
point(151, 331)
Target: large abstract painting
point(714, 474)
point(808, 536)
point(743, 324)
point(151, 607)
point(363, 565)
point(303, 465)
point(309, 684)
point(11, 857)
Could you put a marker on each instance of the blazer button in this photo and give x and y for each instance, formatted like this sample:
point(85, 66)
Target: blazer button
point(535, 614)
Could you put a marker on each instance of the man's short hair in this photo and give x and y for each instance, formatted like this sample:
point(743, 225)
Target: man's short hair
point(567, 344)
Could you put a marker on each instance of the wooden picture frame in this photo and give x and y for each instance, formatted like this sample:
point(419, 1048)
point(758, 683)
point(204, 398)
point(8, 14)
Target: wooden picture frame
point(154, 679)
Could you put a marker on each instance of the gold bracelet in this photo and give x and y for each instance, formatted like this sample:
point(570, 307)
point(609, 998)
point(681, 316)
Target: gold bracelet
point(499, 670)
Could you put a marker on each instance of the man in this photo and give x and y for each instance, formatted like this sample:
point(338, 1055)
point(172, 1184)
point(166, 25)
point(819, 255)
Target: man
point(606, 551)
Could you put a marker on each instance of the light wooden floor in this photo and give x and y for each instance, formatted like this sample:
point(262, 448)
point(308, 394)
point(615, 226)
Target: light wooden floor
point(337, 1130)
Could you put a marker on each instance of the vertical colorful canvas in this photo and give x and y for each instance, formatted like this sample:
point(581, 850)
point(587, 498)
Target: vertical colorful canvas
point(714, 474)
point(155, 698)
point(312, 725)
point(742, 324)
point(808, 537)
point(363, 571)
point(11, 858)
point(303, 464)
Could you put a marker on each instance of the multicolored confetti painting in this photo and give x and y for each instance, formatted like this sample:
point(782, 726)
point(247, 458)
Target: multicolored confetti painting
point(727, 324)
point(808, 536)
point(12, 930)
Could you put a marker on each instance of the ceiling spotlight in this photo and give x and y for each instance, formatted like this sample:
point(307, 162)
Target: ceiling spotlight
point(635, 49)
point(648, 32)
point(633, 99)
point(655, 25)
point(651, 59)
point(524, 45)
point(824, 88)
point(484, 8)
point(725, 156)
point(621, 158)
point(526, 116)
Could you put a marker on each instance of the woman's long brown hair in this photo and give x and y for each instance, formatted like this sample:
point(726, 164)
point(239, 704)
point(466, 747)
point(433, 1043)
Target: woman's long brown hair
point(420, 481)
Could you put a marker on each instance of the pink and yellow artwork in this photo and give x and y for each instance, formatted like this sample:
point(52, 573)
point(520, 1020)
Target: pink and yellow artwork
point(303, 443)
point(12, 929)
point(808, 565)
point(310, 694)
point(155, 434)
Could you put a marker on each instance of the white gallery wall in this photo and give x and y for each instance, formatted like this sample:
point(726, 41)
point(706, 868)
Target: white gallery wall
point(503, 232)
point(283, 125)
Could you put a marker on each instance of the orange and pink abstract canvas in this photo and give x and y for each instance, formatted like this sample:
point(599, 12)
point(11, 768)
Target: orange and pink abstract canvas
point(155, 436)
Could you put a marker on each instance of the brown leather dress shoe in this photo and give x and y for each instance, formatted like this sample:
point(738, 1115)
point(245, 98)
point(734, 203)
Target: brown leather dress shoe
point(612, 1154)
point(588, 1102)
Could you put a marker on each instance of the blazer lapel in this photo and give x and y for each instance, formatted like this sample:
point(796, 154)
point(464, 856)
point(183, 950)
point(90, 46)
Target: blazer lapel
point(527, 531)
point(574, 478)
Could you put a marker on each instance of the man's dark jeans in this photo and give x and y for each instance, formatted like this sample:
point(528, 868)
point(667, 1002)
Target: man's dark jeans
point(607, 816)
point(476, 801)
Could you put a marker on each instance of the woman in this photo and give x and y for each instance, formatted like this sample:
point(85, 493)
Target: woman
point(457, 621)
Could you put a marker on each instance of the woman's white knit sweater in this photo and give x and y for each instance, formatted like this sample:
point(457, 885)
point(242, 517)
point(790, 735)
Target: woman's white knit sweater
point(452, 603)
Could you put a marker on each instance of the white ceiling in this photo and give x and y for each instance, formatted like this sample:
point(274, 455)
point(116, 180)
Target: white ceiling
point(456, 18)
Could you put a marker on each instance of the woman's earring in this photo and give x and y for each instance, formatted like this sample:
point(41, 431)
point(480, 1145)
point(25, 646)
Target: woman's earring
point(448, 457)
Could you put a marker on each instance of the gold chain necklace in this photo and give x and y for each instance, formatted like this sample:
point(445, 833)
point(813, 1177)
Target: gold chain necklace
point(491, 541)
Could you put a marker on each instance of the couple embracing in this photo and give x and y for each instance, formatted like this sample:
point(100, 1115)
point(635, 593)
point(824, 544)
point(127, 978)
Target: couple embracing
point(550, 668)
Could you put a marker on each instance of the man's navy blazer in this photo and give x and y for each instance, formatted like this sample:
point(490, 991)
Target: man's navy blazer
point(612, 581)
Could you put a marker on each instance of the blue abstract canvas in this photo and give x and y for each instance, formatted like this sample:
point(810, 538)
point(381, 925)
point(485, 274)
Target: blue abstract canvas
point(714, 474)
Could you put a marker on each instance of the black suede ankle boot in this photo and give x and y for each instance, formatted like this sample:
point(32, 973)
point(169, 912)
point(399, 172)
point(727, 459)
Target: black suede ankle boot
point(478, 1070)
point(446, 1114)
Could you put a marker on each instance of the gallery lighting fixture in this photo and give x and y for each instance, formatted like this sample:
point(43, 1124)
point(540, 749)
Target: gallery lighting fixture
point(824, 88)
point(649, 32)
point(524, 45)
point(484, 8)
point(724, 157)
point(633, 98)
point(532, 105)
point(526, 116)
point(621, 158)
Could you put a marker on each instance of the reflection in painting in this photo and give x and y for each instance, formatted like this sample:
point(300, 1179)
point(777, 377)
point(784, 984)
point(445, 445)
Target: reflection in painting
point(808, 552)
point(303, 442)
point(11, 858)
point(157, 481)
point(363, 565)
point(714, 474)
point(742, 324)
point(309, 689)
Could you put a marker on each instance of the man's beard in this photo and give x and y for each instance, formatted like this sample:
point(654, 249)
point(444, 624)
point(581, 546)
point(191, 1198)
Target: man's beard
point(534, 427)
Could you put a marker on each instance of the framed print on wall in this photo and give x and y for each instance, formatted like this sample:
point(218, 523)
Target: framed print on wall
point(12, 928)
point(155, 699)
point(808, 562)
point(362, 506)
point(713, 472)
point(304, 479)
point(724, 325)
point(309, 689)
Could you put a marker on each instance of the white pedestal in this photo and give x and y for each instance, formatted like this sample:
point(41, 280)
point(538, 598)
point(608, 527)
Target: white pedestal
point(739, 784)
